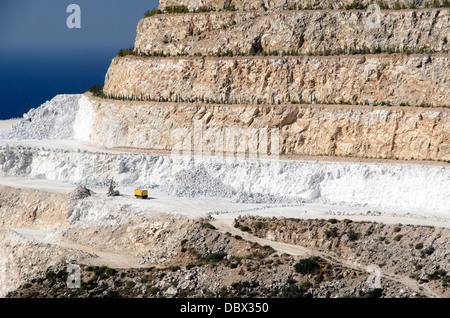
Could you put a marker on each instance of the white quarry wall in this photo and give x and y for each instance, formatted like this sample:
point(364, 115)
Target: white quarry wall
point(82, 125)
point(400, 188)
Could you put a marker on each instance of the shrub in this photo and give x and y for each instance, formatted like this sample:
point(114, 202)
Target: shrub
point(125, 52)
point(245, 228)
point(215, 257)
point(174, 268)
point(153, 291)
point(428, 251)
point(307, 266)
point(176, 9)
point(331, 233)
point(110, 271)
point(333, 221)
point(204, 9)
point(419, 246)
point(352, 235)
point(144, 280)
point(152, 13)
point(374, 293)
point(398, 237)
point(292, 291)
point(210, 226)
point(189, 266)
point(437, 274)
point(259, 225)
point(97, 91)
point(131, 284)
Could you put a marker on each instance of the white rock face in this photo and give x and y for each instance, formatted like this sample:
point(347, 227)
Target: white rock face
point(82, 125)
point(65, 117)
point(419, 189)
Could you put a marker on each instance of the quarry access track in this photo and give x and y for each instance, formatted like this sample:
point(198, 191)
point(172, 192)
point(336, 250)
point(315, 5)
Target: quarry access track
point(226, 225)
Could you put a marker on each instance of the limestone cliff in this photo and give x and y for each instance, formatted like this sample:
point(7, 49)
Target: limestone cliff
point(393, 79)
point(318, 75)
point(293, 32)
point(339, 130)
point(193, 5)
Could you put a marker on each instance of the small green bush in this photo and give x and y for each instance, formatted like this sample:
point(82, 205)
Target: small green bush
point(428, 251)
point(152, 13)
point(215, 257)
point(307, 266)
point(97, 91)
point(333, 221)
point(352, 235)
point(174, 268)
point(125, 52)
point(176, 9)
point(210, 226)
point(189, 266)
point(154, 290)
point(374, 293)
point(437, 274)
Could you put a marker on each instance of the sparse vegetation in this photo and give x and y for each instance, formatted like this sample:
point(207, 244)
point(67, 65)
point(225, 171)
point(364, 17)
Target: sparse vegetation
point(215, 257)
point(125, 52)
point(97, 91)
point(210, 226)
point(307, 266)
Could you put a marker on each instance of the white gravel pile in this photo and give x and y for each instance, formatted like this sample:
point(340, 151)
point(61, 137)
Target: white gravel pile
point(52, 120)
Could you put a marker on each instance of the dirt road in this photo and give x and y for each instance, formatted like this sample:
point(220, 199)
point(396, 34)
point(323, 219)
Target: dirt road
point(227, 225)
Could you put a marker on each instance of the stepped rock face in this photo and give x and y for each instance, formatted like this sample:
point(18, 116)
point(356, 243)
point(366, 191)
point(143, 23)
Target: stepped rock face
point(357, 79)
point(342, 130)
point(279, 4)
point(255, 65)
point(302, 32)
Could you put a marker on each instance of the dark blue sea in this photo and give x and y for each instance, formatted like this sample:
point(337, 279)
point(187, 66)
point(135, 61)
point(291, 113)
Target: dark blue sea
point(28, 80)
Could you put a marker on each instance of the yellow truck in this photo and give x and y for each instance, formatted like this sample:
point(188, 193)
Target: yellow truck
point(141, 194)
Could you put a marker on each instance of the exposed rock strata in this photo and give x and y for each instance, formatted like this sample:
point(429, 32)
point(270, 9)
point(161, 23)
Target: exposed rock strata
point(396, 79)
point(341, 130)
point(280, 4)
point(304, 32)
